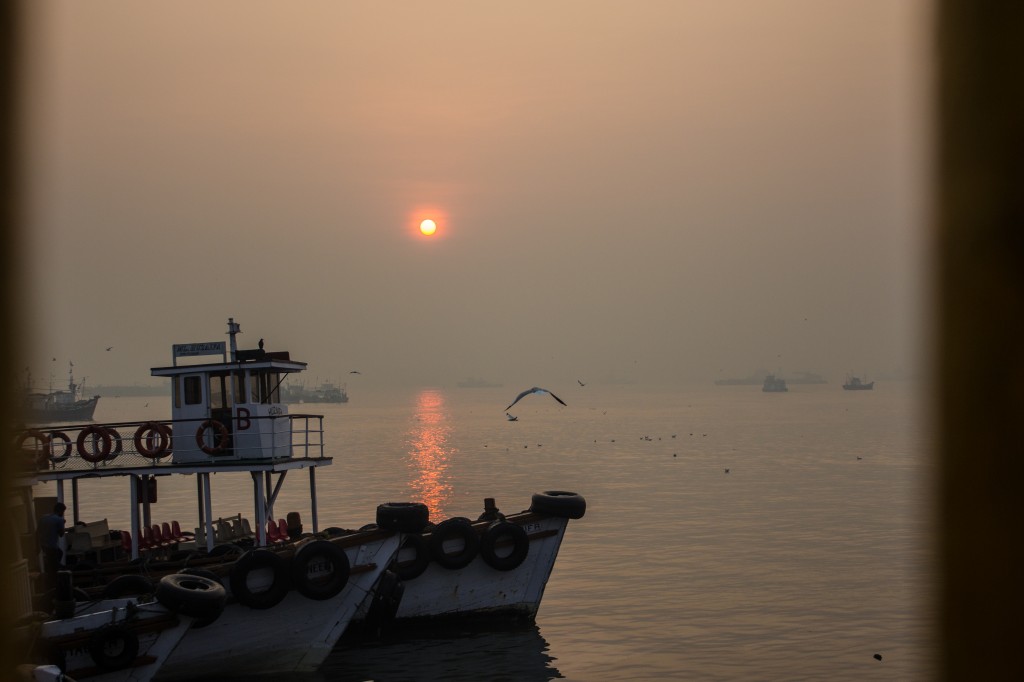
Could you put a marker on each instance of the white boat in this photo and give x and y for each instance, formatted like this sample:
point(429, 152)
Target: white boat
point(289, 598)
point(228, 419)
point(493, 568)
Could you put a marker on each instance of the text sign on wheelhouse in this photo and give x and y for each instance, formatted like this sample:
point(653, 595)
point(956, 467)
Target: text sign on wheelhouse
point(182, 350)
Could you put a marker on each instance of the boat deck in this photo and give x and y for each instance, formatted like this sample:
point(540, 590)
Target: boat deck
point(63, 452)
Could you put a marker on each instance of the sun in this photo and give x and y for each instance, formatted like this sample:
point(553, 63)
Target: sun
point(428, 227)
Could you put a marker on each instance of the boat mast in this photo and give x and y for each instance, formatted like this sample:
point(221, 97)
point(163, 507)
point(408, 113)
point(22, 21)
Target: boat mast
point(233, 328)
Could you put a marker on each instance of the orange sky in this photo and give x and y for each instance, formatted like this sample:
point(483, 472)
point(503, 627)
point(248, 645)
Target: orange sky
point(653, 191)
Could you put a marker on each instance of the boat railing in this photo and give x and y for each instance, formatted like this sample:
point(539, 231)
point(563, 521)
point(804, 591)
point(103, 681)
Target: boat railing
point(152, 443)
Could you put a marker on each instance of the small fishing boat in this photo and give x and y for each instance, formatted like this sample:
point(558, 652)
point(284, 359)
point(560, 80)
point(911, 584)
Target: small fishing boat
point(60, 405)
point(856, 384)
point(774, 384)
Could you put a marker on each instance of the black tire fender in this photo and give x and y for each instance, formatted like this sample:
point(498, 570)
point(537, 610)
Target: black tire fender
point(254, 560)
point(192, 595)
point(559, 503)
point(326, 583)
point(457, 528)
point(114, 647)
point(209, 575)
point(405, 517)
point(500, 532)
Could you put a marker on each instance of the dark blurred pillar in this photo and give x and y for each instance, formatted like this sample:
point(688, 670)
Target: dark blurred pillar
point(979, 200)
point(9, 358)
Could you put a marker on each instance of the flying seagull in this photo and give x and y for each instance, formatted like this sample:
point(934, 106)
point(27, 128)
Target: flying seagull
point(511, 417)
point(355, 371)
point(109, 347)
point(580, 382)
point(534, 390)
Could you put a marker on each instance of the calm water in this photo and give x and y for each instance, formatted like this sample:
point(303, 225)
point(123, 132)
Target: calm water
point(729, 535)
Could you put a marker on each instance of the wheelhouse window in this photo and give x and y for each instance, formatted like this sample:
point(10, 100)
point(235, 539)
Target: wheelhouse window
point(193, 390)
point(220, 393)
point(265, 387)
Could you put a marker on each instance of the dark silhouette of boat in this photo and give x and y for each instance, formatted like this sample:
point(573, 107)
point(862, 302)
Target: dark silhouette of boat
point(855, 384)
point(61, 405)
point(774, 384)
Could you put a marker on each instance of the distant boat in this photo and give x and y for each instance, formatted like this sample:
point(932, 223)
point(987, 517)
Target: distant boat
point(63, 405)
point(807, 378)
point(855, 384)
point(474, 382)
point(328, 392)
point(325, 392)
point(773, 384)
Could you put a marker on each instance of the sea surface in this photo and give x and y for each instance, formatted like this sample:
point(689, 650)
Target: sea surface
point(730, 534)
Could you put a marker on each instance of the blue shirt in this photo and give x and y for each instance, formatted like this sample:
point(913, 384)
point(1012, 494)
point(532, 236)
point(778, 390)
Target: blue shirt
point(51, 527)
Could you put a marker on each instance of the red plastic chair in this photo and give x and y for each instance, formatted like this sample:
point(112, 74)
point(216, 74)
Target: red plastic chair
point(273, 536)
point(282, 530)
point(158, 537)
point(166, 534)
point(147, 541)
point(126, 542)
point(178, 534)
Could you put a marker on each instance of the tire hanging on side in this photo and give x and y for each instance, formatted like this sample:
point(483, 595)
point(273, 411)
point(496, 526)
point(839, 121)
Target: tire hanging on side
point(254, 560)
point(328, 583)
point(501, 532)
point(457, 528)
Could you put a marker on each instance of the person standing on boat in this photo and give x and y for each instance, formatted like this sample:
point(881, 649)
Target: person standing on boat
point(49, 532)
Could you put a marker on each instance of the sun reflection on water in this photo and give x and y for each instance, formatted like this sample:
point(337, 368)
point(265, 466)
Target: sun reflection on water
point(429, 453)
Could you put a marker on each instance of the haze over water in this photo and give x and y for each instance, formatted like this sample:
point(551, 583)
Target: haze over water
point(802, 562)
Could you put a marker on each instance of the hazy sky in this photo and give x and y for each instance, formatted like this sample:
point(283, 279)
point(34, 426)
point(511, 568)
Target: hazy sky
point(629, 191)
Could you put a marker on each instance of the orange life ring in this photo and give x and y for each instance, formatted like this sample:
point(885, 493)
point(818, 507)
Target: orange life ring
point(166, 430)
point(144, 436)
point(55, 436)
point(116, 439)
point(40, 451)
point(103, 445)
point(42, 438)
point(220, 441)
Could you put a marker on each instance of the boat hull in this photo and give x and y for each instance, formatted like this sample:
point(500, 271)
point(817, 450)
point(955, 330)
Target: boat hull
point(480, 591)
point(157, 631)
point(295, 635)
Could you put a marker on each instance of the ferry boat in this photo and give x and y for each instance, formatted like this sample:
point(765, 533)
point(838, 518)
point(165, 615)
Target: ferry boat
point(289, 598)
point(290, 593)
